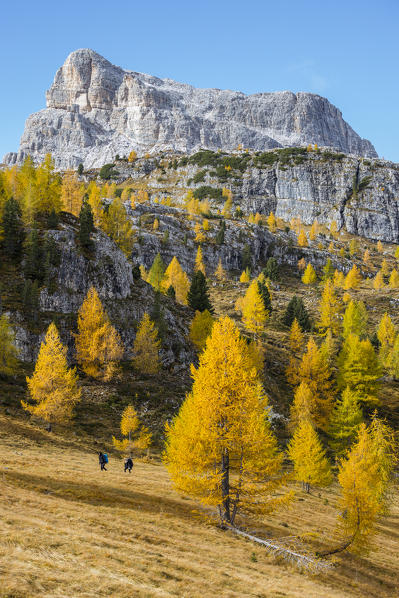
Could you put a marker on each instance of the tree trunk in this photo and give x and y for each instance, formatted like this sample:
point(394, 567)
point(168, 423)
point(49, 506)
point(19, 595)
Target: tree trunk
point(49, 427)
point(225, 487)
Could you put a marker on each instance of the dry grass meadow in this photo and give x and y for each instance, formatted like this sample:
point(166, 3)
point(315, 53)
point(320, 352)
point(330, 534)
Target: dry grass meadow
point(70, 531)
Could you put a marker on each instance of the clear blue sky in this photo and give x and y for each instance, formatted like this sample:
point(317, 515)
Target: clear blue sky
point(344, 50)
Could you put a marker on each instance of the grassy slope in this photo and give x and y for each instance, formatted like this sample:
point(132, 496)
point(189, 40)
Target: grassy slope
point(69, 530)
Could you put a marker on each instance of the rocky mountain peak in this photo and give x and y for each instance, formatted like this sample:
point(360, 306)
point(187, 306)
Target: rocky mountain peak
point(96, 110)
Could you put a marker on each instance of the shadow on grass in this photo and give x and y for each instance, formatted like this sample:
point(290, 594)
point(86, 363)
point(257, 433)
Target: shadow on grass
point(99, 494)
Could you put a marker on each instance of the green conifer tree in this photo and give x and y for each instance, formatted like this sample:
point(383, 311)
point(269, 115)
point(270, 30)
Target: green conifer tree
point(198, 296)
point(13, 231)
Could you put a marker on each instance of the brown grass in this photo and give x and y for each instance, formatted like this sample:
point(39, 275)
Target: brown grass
point(69, 530)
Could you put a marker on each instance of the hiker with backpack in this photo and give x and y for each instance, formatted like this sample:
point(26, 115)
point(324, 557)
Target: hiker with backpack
point(103, 460)
point(128, 464)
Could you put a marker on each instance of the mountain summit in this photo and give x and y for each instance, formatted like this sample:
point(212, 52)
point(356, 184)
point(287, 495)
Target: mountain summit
point(96, 110)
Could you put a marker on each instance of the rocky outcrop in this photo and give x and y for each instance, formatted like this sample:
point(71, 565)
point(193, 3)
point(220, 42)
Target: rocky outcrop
point(125, 300)
point(96, 110)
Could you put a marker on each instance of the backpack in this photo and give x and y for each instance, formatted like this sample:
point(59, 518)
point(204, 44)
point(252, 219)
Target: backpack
point(105, 458)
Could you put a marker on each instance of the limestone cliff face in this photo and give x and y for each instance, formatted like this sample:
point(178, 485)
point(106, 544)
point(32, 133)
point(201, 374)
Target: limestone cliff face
point(125, 300)
point(96, 110)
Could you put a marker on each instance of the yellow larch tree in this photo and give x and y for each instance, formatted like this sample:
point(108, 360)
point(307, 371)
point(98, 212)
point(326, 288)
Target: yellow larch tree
point(314, 231)
point(359, 369)
point(53, 387)
point(271, 222)
point(199, 264)
point(156, 273)
point(228, 204)
point(338, 279)
point(71, 193)
point(355, 319)
point(302, 239)
point(206, 225)
point(301, 264)
point(99, 347)
point(386, 335)
point(353, 279)
point(221, 427)
point(384, 268)
point(303, 406)
point(296, 338)
point(175, 276)
point(378, 282)
point(199, 235)
point(315, 370)
point(334, 229)
point(155, 224)
point(245, 276)
point(311, 466)
point(364, 476)
point(394, 279)
point(118, 226)
point(132, 156)
point(329, 310)
point(380, 247)
point(146, 347)
point(48, 186)
point(254, 314)
point(367, 259)
point(136, 435)
point(344, 423)
point(95, 202)
point(309, 276)
point(220, 272)
point(201, 328)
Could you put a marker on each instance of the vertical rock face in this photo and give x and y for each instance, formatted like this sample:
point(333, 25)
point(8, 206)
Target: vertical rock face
point(96, 110)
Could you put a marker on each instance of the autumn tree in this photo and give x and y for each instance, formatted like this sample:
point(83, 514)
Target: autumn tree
point(328, 270)
point(48, 187)
point(353, 278)
point(380, 247)
point(156, 273)
point(53, 387)
point(309, 276)
point(271, 222)
point(364, 476)
point(359, 369)
point(98, 345)
point(302, 239)
point(329, 310)
point(222, 427)
point(303, 407)
point(311, 466)
point(314, 369)
point(367, 259)
point(394, 279)
point(8, 350)
point(136, 435)
point(146, 347)
point(345, 421)
point(254, 314)
point(199, 264)
point(386, 335)
point(118, 226)
point(245, 276)
point(201, 328)
point(71, 193)
point(378, 282)
point(220, 272)
point(338, 279)
point(132, 156)
point(176, 277)
point(355, 319)
point(94, 200)
point(198, 294)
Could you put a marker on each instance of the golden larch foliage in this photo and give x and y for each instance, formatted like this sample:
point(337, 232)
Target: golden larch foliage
point(53, 387)
point(254, 314)
point(302, 239)
point(146, 347)
point(303, 407)
point(99, 347)
point(311, 466)
point(353, 278)
point(378, 282)
point(355, 319)
point(178, 279)
point(359, 369)
point(220, 272)
point(394, 279)
point(329, 310)
point(136, 435)
point(309, 276)
point(245, 275)
point(380, 247)
point(199, 264)
point(296, 338)
point(132, 156)
point(386, 335)
point(221, 427)
point(201, 328)
point(271, 222)
point(71, 193)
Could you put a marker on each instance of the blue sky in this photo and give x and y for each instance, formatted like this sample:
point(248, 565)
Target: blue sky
point(344, 50)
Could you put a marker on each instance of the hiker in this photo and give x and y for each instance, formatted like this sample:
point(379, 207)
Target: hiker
point(103, 459)
point(128, 465)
